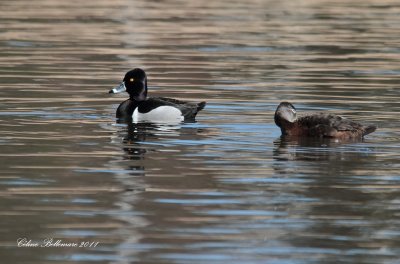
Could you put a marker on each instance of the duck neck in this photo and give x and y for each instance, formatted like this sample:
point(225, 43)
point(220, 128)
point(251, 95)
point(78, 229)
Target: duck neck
point(126, 108)
point(288, 128)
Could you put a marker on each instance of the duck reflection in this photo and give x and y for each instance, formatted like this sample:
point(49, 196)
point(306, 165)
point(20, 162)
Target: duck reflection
point(157, 169)
point(333, 176)
point(309, 148)
point(134, 136)
point(135, 133)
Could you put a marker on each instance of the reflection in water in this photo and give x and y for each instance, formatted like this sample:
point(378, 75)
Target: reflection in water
point(339, 204)
point(153, 206)
point(136, 133)
point(134, 137)
point(314, 149)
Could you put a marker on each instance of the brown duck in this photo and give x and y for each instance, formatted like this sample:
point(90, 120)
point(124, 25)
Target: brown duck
point(318, 124)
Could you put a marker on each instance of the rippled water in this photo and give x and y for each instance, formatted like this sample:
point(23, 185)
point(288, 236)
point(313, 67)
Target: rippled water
point(226, 189)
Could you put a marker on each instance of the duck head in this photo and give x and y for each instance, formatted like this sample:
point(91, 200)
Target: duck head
point(284, 114)
point(135, 84)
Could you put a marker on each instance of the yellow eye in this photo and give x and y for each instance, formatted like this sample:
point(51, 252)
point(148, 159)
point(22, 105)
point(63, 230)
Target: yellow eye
point(131, 79)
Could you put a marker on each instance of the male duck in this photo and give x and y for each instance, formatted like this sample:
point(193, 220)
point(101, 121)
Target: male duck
point(154, 109)
point(318, 124)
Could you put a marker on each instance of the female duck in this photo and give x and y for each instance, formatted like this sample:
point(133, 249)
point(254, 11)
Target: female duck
point(153, 109)
point(318, 125)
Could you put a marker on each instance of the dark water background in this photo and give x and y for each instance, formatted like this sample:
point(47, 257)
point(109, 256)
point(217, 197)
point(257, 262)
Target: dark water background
point(226, 189)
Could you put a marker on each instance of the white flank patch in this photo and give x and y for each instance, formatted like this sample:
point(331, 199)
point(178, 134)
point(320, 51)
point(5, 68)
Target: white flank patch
point(161, 114)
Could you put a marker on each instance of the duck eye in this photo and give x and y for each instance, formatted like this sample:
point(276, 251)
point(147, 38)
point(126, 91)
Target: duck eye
point(131, 79)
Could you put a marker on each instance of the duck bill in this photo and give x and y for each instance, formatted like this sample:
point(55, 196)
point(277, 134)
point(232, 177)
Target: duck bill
point(120, 88)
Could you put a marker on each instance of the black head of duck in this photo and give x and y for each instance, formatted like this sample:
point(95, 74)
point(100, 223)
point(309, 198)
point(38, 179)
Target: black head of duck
point(135, 84)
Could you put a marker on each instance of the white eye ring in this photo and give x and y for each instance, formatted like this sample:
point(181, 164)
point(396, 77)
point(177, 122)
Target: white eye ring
point(294, 111)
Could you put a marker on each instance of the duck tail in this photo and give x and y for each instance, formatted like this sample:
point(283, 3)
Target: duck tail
point(369, 130)
point(190, 111)
point(200, 106)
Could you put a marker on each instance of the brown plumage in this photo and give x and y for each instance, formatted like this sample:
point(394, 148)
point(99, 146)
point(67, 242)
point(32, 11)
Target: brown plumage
point(318, 125)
